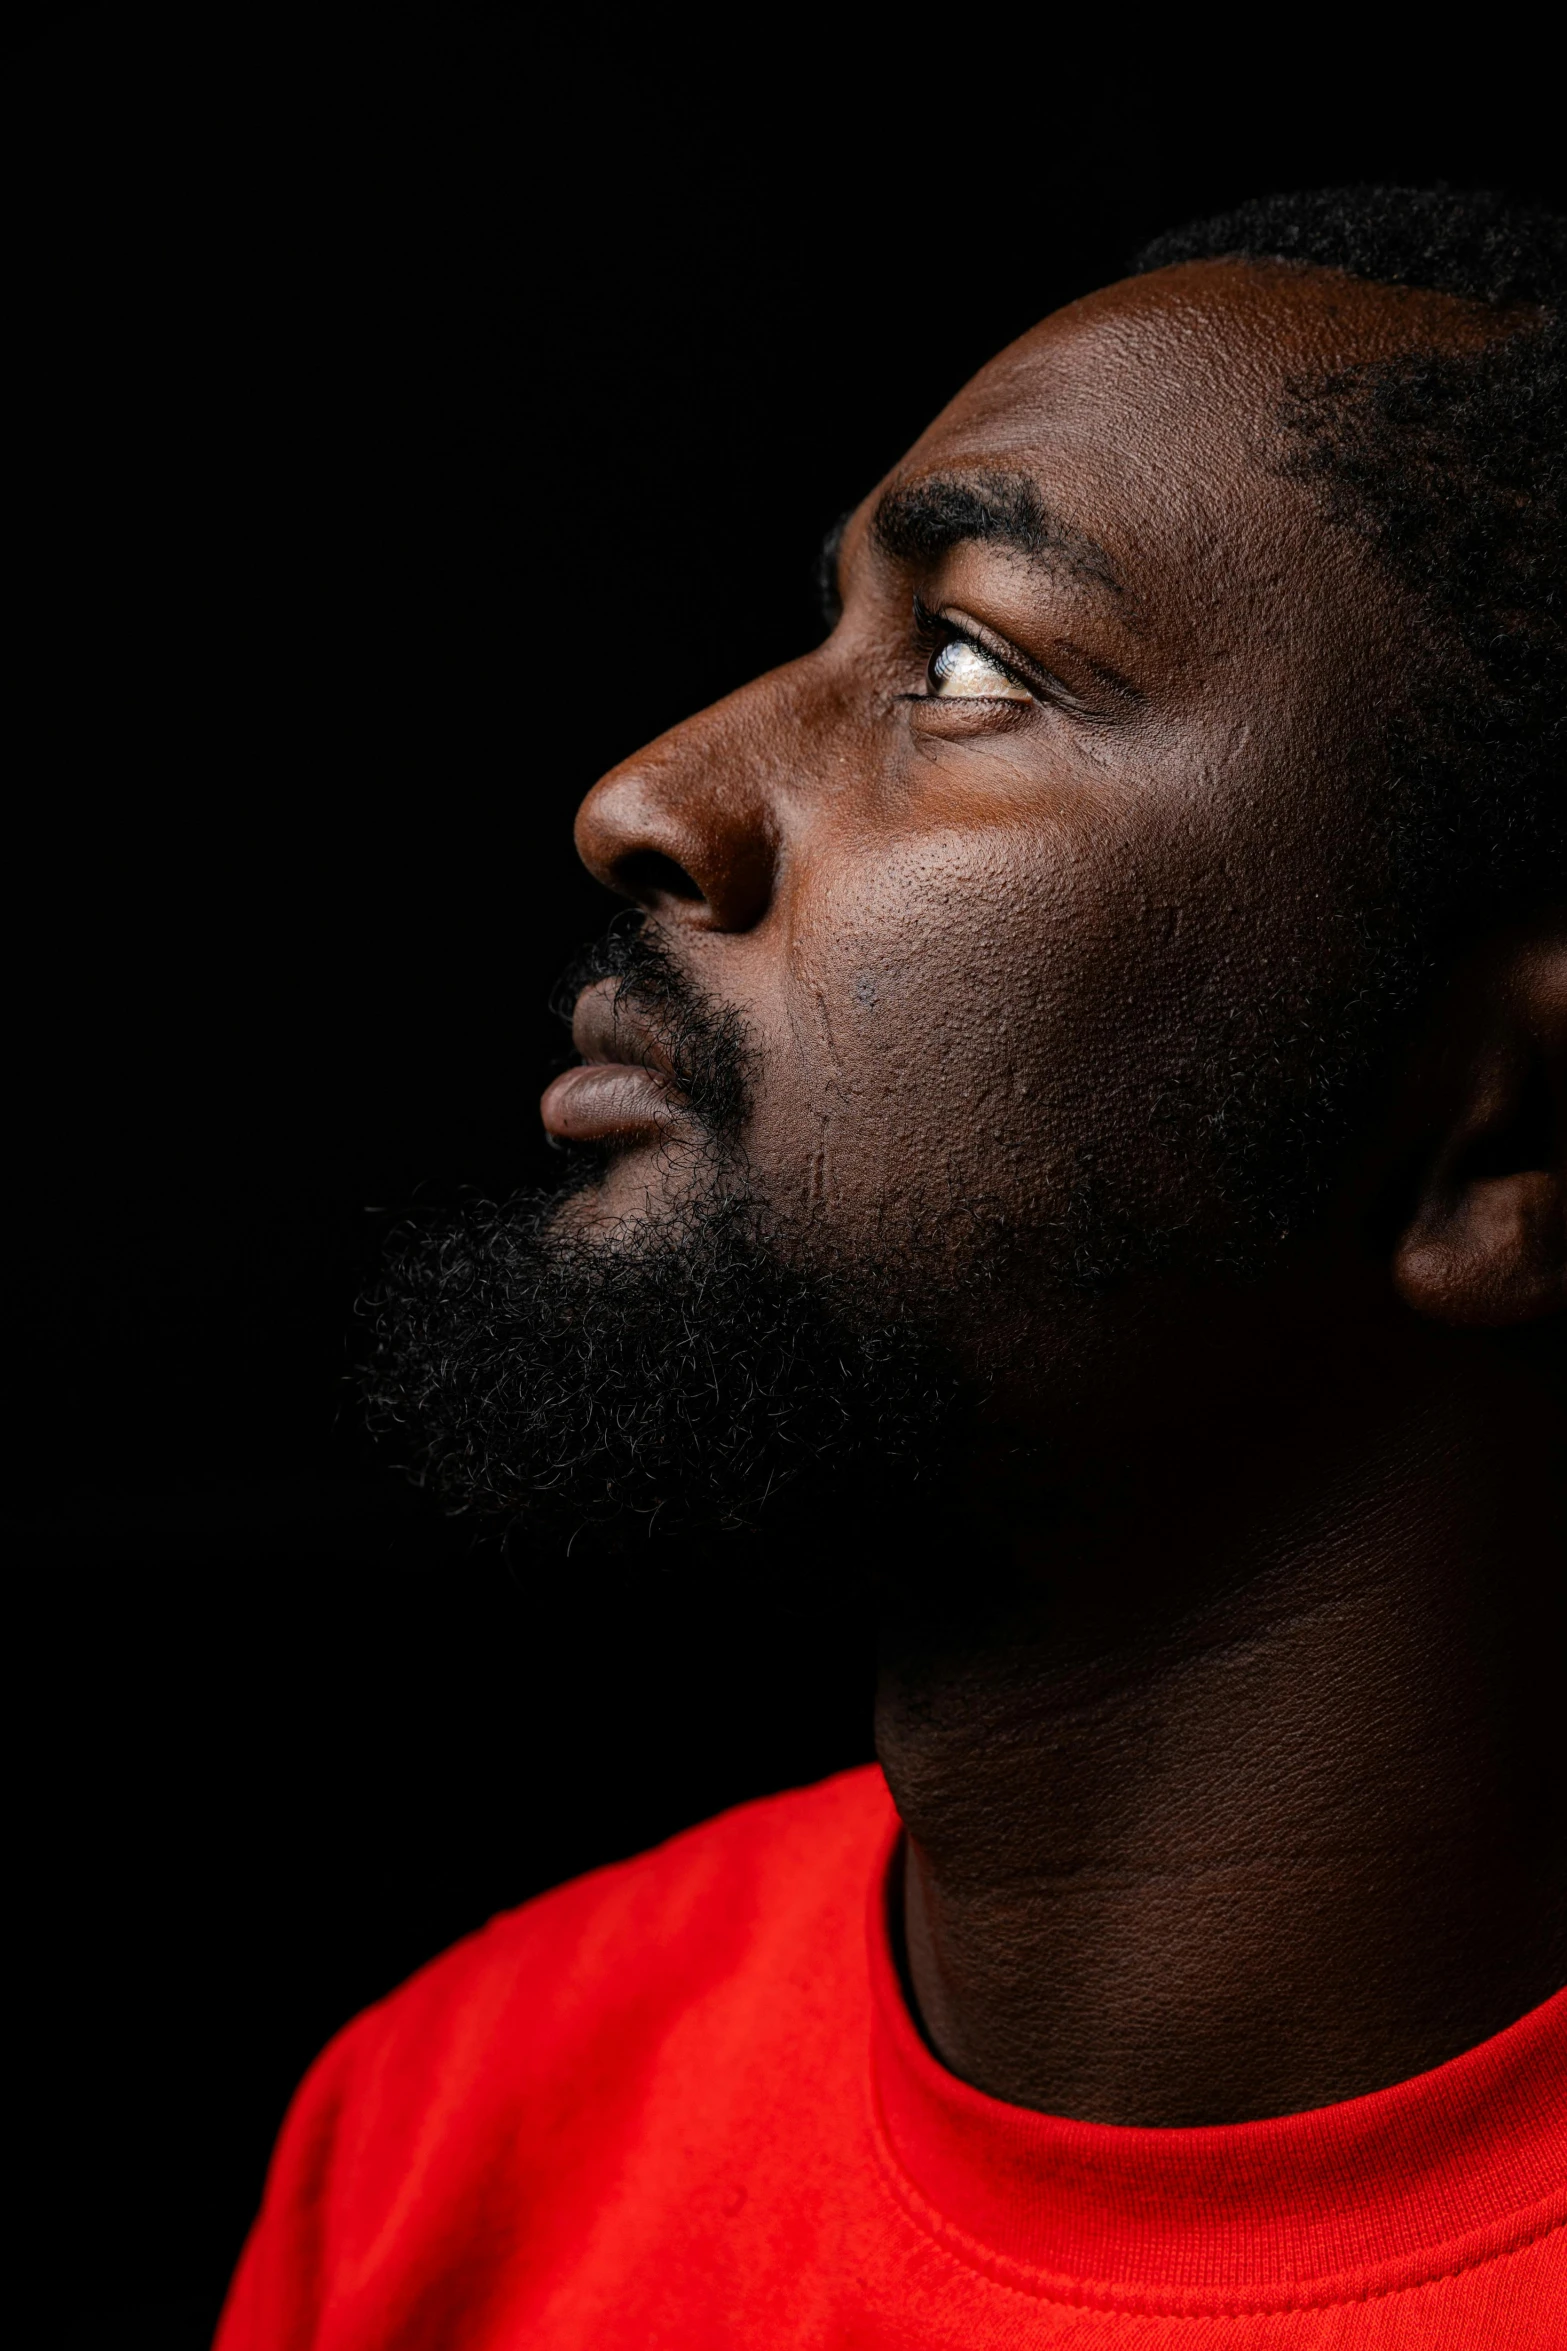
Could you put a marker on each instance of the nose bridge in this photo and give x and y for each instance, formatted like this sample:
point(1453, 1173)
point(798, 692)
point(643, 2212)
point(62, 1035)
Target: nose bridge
point(694, 824)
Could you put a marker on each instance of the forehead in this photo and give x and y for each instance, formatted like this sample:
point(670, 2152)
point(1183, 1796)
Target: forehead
point(1152, 413)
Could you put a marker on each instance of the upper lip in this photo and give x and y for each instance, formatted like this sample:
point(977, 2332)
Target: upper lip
point(606, 1027)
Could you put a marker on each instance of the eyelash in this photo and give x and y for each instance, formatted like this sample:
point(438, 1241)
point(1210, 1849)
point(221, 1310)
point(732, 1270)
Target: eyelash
point(933, 631)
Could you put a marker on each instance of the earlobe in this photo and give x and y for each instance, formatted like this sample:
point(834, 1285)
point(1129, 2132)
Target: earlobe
point(1487, 1241)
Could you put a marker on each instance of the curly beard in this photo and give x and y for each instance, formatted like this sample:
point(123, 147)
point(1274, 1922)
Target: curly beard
point(687, 1368)
point(676, 1369)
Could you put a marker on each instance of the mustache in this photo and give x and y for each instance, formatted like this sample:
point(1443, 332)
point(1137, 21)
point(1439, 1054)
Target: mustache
point(710, 1053)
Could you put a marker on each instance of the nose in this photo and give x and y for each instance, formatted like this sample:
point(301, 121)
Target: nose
point(688, 828)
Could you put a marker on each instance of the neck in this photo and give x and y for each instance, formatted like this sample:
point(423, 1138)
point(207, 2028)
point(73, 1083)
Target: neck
point(1235, 1806)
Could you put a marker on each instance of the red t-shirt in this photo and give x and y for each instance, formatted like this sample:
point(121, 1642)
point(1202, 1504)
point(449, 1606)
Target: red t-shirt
point(681, 2103)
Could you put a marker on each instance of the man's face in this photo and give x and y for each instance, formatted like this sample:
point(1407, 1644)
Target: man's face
point(1014, 979)
point(1044, 887)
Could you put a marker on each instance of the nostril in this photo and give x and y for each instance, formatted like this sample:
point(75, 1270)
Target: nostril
point(648, 875)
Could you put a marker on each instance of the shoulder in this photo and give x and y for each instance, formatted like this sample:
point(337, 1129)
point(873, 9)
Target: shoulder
point(755, 1892)
point(627, 2018)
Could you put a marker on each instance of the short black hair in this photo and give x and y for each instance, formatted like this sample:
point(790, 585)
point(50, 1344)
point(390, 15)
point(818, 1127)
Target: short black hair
point(1478, 246)
point(1452, 463)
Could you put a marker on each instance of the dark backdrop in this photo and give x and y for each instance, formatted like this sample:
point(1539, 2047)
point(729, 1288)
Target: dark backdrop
point(418, 408)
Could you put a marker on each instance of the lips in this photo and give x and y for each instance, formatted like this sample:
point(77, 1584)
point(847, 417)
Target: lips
point(624, 1090)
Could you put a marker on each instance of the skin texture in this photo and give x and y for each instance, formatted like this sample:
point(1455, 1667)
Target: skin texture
point(1225, 1771)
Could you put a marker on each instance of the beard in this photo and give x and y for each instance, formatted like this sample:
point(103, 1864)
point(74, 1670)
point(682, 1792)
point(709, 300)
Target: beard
point(683, 1373)
point(695, 1369)
point(678, 1371)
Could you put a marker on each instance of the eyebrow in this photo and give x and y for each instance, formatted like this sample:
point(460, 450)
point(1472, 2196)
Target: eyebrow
point(917, 521)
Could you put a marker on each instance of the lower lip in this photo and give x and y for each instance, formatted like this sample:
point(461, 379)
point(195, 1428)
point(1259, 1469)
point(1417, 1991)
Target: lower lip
point(607, 1101)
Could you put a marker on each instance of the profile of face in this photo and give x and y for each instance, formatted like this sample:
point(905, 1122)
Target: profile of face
point(1022, 986)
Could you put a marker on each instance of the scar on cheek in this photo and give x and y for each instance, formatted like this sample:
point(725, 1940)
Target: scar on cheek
point(865, 991)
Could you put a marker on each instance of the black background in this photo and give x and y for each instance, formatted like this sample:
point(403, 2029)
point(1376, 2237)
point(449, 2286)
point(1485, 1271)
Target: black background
point(417, 409)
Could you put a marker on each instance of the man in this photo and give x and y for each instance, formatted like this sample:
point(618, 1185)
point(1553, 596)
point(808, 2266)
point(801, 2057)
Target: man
point(1082, 1131)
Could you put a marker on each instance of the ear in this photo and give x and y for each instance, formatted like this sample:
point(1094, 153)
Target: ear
point(1487, 1242)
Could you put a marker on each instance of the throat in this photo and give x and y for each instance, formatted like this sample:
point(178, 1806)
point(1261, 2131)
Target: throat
point(1189, 1848)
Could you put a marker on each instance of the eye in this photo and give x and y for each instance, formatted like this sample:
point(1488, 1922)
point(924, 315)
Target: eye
point(962, 670)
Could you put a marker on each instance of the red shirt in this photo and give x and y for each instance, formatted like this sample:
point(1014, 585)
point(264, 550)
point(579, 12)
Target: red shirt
point(681, 2103)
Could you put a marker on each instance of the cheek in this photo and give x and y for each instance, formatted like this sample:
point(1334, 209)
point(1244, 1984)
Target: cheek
point(941, 1028)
